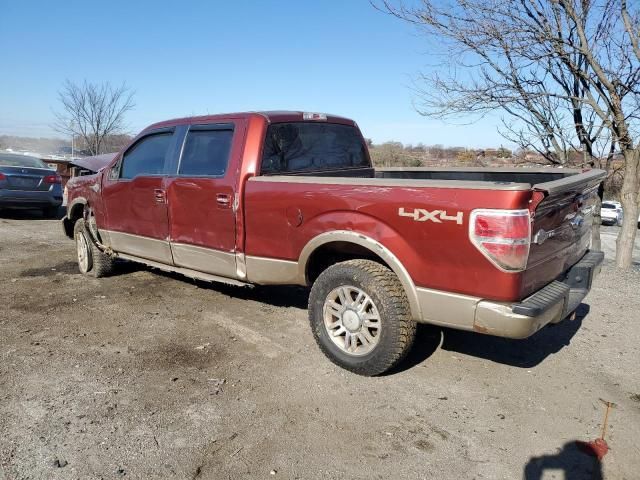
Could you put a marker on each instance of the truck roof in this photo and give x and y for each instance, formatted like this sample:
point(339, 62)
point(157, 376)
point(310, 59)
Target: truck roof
point(272, 116)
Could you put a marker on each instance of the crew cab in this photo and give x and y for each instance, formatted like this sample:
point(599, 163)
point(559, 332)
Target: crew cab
point(266, 198)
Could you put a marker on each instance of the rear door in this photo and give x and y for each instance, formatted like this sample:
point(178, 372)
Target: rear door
point(200, 198)
point(134, 196)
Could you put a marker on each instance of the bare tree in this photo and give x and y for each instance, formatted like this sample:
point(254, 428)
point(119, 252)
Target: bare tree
point(565, 73)
point(93, 112)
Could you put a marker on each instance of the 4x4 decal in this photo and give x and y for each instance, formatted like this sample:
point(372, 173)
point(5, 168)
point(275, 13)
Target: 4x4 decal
point(437, 216)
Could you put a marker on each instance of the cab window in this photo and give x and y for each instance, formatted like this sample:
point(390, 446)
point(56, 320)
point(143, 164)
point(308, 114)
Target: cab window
point(146, 157)
point(206, 151)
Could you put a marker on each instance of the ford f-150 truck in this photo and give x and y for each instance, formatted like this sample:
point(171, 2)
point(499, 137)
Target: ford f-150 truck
point(292, 198)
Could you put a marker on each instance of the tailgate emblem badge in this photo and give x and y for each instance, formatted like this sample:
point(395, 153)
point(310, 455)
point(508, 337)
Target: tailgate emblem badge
point(436, 216)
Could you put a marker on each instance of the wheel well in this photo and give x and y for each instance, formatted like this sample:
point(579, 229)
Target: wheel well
point(72, 217)
point(334, 252)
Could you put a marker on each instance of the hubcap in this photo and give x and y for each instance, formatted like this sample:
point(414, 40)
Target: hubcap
point(83, 252)
point(352, 320)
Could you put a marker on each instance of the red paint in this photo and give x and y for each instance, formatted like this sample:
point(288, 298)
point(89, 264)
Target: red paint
point(132, 206)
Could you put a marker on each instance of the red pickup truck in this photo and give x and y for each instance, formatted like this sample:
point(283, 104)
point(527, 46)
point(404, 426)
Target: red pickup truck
point(292, 198)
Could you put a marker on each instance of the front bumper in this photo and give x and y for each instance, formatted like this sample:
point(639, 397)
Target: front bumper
point(551, 304)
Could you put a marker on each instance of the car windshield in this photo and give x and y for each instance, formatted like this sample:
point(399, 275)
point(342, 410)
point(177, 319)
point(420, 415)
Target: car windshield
point(8, 160)
point(608, 206)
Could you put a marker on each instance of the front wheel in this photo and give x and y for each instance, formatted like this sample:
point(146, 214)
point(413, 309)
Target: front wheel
point(360, 317)
point(91, 261)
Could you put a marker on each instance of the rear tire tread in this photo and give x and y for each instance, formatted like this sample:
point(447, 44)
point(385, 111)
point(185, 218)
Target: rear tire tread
point(398, 323)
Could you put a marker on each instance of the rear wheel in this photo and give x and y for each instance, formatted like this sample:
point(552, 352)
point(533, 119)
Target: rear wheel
point(360, 317)
point(91, 261)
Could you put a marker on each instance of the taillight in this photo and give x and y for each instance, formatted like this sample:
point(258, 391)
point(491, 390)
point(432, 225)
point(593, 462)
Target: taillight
point(503, 236)
point(52, 179)
point(2, 176)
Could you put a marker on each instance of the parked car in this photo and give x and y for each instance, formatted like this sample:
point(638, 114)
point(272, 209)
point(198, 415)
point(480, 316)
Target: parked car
point(292, 198)
point(27, 182)
point(611, 214)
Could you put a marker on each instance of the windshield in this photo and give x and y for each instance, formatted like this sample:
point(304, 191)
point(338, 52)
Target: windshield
point(9, 160)
point(308, 146)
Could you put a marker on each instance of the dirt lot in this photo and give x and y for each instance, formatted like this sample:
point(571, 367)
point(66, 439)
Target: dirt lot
point(149, 375)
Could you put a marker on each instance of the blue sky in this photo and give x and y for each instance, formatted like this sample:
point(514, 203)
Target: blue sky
point(198, 57)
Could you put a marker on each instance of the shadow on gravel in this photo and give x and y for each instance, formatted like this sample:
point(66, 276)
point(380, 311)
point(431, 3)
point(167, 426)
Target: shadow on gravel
point(69, 267)
point(570, 460)
point(525, 353)
point(274, 295)
point(25, 214)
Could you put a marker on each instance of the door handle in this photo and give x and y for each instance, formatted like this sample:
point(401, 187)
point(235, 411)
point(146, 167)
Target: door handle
point(160, 195)
point(223, 200)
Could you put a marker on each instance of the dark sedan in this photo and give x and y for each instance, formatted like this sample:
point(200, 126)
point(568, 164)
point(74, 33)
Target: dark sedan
point(27, 182)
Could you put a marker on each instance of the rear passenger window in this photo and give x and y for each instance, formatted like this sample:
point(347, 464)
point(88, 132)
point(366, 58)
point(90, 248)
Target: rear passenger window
point(206, 151)
point(147, 156)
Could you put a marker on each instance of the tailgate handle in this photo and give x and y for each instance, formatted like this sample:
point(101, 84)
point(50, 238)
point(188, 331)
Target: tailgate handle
point(223, 199)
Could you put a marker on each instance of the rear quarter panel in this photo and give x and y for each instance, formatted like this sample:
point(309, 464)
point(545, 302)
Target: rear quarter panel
point(436, 255)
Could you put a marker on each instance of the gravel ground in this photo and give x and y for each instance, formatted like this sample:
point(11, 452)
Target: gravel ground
point(149, 375)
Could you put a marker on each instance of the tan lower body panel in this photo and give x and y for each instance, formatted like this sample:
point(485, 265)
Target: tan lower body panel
point(187, 272)
point(464, 312)
point(215, 262)
point(139, 246)
point(271, 271)
point(447, 309)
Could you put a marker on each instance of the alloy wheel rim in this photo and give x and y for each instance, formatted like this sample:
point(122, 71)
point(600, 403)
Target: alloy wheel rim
point(352, 320)
point(83, 252)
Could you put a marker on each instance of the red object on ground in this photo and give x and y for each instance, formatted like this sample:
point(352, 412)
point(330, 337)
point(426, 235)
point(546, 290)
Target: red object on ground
point(595, 448)
point(598, 447)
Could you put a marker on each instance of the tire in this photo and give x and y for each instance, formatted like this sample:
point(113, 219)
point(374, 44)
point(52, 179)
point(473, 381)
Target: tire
point(346, 329)
point(91, 261)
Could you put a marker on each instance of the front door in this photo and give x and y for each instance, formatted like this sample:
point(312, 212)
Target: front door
point(202, 218)
point(134, 195)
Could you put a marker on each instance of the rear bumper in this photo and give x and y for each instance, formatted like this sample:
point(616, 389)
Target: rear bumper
point(30, 199)
point(551, 304)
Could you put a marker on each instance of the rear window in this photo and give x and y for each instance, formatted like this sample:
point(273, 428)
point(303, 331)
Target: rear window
point(609, 206)
point(21, 161)
point(304, 147)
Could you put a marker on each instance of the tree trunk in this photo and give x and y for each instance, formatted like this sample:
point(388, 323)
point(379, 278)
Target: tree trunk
point(629, 199)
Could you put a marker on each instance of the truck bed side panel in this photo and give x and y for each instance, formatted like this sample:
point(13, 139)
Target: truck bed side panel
point(433, 247)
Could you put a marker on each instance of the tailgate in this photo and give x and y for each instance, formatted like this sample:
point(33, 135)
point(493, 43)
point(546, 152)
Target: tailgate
point(561, 229)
